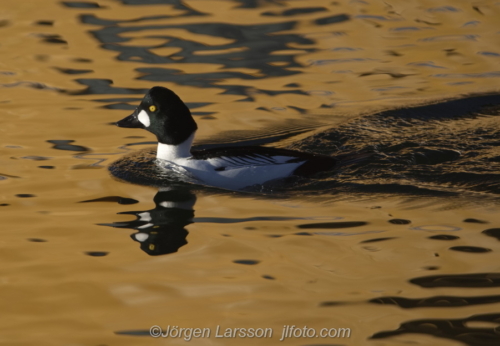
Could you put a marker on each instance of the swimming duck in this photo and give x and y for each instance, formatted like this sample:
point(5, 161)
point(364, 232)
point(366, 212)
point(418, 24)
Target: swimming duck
point(163, 113)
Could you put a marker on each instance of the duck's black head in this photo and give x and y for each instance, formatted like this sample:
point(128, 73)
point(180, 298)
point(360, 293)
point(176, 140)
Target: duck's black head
point(162, 113)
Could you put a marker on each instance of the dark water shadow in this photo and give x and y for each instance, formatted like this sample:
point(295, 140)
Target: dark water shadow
point(482, 280)
point(460, 329)
point(468, 330)
point(248, 47)
point(251, 47)
point(436, 301)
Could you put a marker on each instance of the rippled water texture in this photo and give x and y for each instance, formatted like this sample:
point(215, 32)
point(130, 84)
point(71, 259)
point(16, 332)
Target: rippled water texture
point(401, 248)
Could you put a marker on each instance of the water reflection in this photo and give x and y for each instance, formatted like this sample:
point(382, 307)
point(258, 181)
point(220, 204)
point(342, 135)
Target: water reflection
point(436, 301)
point(236, 46)
point(162, 230)
point(469, 330)
point(459, 280)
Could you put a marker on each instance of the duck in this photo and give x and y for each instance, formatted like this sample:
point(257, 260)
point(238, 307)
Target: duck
point(165, 115)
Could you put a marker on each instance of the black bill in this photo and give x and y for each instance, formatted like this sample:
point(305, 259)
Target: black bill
point(131, 121)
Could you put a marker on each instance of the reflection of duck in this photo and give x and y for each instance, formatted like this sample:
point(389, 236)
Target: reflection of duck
point(161, 230)
point(163, 113)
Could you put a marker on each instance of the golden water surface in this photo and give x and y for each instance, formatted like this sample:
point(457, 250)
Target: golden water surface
point(395, 268)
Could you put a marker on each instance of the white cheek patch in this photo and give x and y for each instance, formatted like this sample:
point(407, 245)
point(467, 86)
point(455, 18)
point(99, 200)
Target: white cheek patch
point(144, 118)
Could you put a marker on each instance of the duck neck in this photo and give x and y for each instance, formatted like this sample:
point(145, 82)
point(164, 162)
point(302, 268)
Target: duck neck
point(171, 152)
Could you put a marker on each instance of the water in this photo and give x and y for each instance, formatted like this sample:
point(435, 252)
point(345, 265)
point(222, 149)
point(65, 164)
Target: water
point(402, 248)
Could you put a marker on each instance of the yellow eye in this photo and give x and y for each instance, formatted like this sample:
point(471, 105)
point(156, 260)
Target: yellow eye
point(152, 108)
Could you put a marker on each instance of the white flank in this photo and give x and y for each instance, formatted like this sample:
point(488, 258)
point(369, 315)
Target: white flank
point(236, 178)
point(239, 178)
point(144, 118)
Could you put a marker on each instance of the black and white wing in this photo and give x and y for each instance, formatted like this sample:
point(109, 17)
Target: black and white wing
point(306, 164)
